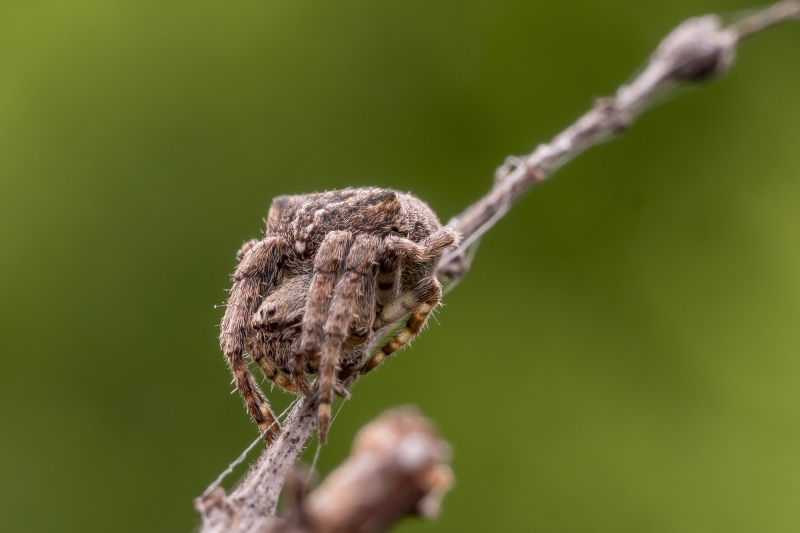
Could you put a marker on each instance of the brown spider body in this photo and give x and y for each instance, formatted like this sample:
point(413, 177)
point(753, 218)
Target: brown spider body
point(334, 270)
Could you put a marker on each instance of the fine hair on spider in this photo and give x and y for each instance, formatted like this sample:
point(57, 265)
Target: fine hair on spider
point(334, 271)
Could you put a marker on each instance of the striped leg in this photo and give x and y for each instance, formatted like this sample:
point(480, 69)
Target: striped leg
point(257, 274)
point(328, 265)
point(420, 301)
point(346, 307)
point(419, 253)
point(426, 290)
point(256, 347)
point(388, 279)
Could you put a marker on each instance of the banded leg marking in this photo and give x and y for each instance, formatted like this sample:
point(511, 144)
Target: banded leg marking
point(257, 274)
point(345, 309)
point(433, 290)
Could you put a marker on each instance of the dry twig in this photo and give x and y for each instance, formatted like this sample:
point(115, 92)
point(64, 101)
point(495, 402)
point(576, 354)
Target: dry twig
point(697, 50)
point(397, 467)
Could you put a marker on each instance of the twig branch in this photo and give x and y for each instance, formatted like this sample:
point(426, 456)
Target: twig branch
point(398, 466)
point(251, 506)
point(697, 50)
point(774, 14)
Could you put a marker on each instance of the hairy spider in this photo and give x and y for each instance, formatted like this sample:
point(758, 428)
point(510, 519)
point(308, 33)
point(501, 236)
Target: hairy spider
point(334, 270)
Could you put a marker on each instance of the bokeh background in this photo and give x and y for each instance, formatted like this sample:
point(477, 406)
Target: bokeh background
point(623, 356)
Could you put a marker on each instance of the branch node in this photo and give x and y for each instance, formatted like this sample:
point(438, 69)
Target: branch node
point(697, 50)
point(533, 173)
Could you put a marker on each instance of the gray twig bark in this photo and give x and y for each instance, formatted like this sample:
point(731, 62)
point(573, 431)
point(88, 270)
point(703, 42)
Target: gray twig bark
point(697, 50)
point(398, 466)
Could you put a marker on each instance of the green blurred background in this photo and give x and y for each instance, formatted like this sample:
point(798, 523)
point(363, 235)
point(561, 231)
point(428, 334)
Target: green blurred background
point(623, 355)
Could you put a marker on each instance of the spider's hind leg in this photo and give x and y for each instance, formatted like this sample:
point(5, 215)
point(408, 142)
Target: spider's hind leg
point(420, 302)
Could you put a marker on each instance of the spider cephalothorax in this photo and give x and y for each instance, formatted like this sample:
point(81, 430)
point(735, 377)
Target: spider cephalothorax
point(334, 270)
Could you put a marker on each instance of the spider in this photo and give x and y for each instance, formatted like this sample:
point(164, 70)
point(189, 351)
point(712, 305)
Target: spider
point(334, 271)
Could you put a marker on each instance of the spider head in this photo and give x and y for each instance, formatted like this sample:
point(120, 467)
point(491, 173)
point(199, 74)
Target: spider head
point(284, 308)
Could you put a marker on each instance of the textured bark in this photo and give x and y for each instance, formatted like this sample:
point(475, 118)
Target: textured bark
point(698, 50)
point(398, 466)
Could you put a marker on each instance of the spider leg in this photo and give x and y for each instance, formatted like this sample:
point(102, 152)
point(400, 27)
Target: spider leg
point(281, 380)
point(399, 248)
point(360, 330)
point(348, 305)
point(258, 352)
point(419, 253)
point(388, 279)
point(427, 289)
point(246, 247)
point(257, 274)
point(328, 264)
point(423, 299)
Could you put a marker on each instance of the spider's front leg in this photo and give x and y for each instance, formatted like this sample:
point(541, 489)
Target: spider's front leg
point(258, 347)
point(257, 274)
point(328, 264)
point(351, 302)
